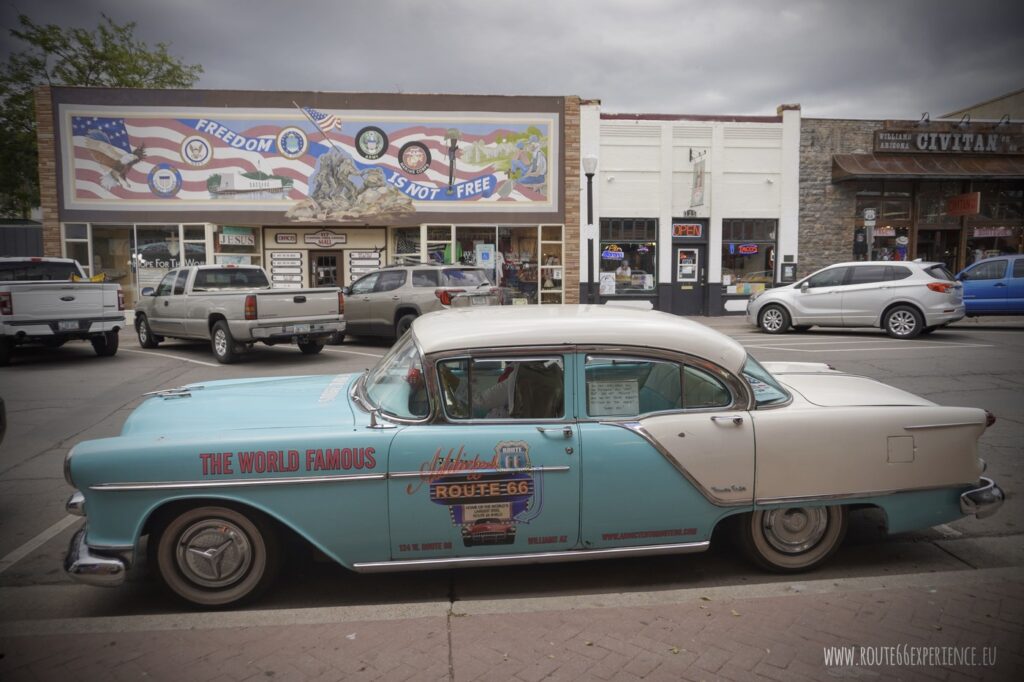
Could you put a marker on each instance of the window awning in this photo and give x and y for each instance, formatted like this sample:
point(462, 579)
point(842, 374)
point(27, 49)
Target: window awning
point(924, 167)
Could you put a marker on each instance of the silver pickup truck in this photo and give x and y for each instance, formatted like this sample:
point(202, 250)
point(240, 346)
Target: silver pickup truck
point(49, 301)
point(234, 307)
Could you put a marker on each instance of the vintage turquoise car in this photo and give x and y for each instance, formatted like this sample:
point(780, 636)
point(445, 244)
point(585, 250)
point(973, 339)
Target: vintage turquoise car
point(516, 435)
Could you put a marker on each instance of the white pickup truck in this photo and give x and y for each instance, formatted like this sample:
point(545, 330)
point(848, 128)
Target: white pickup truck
point(50, 301)
point(234, 307)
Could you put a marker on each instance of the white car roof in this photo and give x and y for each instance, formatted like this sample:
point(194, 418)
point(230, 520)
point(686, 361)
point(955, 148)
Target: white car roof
point(552, 325)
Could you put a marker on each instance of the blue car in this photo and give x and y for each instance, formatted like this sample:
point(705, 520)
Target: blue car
point(994, 286)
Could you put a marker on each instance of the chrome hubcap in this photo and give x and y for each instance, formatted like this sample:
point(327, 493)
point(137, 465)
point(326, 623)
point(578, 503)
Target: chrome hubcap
point(143, 332)
point(214, 553)
point(220, 342)
point(792, 531)
point(772, 319)
point(902, 322)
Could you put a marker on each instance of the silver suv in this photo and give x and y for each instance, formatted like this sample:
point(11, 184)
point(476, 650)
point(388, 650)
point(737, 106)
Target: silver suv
point(384, 303)
point(903, 298)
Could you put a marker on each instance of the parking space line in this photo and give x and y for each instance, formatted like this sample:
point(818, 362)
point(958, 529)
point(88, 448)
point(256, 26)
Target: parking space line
point(354, 352)
point(171, 357)
point(37, 542)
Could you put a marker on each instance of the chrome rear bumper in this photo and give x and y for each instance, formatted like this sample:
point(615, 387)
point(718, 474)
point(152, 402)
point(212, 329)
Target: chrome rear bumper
point(83, 566)
point(982, 501)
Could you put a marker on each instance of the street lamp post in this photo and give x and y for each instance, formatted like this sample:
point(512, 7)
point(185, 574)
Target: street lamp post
point(589, 168)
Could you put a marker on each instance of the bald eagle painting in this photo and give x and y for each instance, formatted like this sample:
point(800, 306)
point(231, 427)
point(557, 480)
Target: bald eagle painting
point(116, 160)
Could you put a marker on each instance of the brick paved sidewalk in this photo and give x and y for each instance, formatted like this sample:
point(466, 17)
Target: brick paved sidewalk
point(772, 632)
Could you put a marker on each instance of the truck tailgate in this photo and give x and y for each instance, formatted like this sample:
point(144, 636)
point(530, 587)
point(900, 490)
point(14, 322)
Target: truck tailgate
point(61, 301)
point(297, 304)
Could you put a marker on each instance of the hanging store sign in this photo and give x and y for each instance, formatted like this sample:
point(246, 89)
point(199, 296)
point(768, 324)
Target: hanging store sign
point(286, 238)
point(964, 204)
point(226, 239)
point(325, 238)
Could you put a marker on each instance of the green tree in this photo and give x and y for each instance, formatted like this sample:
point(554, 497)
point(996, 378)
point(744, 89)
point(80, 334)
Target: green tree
point(110, 56)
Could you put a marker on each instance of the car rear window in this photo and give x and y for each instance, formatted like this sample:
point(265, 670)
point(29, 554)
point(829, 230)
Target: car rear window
point(230, 278)
point(456, 277)
point(28, 271)
point(939, 271)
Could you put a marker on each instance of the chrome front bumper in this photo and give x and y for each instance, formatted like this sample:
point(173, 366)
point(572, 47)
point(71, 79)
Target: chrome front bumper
point(83, 566)
point(983, 501)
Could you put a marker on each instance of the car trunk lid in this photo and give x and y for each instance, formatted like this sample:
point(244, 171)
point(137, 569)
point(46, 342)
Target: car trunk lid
point(834, 389)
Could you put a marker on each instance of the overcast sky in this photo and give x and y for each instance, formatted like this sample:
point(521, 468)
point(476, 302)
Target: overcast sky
point(837, 58)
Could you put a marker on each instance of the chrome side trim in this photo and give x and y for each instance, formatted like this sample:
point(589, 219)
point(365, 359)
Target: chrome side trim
point(851, 496)
point(638, 429)
point(941, 426)
point(239, 482)
point(539, 558)
point(469, 472)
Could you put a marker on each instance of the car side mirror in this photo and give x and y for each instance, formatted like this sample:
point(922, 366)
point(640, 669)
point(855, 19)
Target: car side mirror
point(963, 277)
point(148, 291)
point(346, 291)
point(804, 287)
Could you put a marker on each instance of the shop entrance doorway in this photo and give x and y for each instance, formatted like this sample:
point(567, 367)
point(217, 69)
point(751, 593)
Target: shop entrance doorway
point(689, 279)
point(327, 270)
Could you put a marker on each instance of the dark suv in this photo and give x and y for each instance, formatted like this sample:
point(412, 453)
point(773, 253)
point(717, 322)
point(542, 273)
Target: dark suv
point(384, 303)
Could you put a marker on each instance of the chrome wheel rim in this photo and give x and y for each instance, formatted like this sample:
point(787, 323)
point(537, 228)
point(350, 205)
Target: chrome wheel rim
point(902, 322)
point(214, 553)
point(772, 319)
point(795, 530)
point(220, 342)
point(143, 332)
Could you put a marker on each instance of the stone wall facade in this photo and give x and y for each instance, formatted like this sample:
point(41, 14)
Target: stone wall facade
point(827, 210)
point(571, 187)
point(46, 141)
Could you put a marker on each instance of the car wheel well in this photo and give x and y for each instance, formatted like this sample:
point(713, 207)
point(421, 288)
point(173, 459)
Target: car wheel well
point(166, 512)
point(214, 319)
point(402, 312)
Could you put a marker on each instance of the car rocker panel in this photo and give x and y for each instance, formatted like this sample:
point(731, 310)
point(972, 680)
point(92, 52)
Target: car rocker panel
point(377, 490)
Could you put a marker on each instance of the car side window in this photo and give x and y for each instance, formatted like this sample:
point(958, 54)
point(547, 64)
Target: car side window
point(701, 390)
point(425, 278)
point(179, 284)
point(995, 269)
point(1018, 267)
point(390, 280)
point(894, 272)
point(827, 278)
point(514, 388)
point(166, 284)
point(366, 284)
point(627, 387)
point(867, 274)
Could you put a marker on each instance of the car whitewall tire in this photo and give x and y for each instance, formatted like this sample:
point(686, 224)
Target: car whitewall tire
point(792, 539)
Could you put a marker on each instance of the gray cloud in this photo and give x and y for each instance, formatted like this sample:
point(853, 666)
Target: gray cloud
point(867, 59)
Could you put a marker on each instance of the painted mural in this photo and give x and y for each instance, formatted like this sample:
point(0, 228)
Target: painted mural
point(308, 164)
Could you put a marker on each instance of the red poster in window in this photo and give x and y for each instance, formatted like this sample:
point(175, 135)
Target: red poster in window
point(964, 204)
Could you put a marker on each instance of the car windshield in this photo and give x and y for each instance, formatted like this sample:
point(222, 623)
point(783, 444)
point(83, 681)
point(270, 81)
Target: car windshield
point(35, 271)
point(939, 271)
point(767, 390)
point(454, 277)
point(396, 385)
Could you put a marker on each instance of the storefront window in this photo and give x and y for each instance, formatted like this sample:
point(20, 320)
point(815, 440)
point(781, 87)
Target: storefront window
point(407, 246)
point(76, 244)
point(551, 264)
point(629, 256)
point(112, 248)
point(999, 227)
point(931, 202)
point(232, 245)
point(518, 262)
point(748, 253)
point(889, 238)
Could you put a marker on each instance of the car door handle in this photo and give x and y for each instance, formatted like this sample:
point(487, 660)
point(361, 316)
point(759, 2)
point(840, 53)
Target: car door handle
point(165, 303)
point(735, 419)
point(395, 298)
point(566, 431)
point(999, 284)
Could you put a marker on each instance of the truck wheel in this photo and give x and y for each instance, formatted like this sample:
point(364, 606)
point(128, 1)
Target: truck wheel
point(336, 339)
point(106, 345)
point(774, 320)
point(222, 343)
point(311, 347)
point(216, 556)
point(903, 322)
point(404, 322)
point(5, 351)
point(794, 539)
point(146, 337)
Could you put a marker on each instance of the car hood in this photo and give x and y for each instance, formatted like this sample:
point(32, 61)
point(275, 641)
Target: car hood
point(266, 403)
point(834, 389)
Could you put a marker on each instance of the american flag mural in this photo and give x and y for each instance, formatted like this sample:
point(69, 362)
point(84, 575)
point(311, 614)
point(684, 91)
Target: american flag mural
point(281, 160)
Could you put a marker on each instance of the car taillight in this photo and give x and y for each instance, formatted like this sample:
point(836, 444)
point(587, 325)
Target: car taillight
point(941, 287)
point(120, 300)
point(6, 303)
point(250, 307)
point(341, 303)
point(445, 295)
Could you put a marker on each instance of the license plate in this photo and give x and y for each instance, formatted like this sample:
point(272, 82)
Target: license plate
point(67, 325)
point(301, 329)
point(478, 300)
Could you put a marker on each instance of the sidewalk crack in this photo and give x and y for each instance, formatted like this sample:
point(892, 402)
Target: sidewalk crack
point(451, 614)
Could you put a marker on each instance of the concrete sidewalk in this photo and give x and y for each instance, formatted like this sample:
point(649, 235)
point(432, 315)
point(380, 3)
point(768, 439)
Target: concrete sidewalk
point(963, 625)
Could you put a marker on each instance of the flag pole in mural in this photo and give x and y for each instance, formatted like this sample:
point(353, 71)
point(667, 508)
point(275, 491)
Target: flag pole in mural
point(304, 165)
